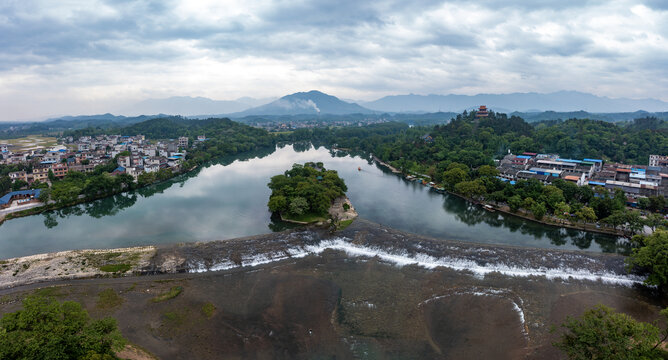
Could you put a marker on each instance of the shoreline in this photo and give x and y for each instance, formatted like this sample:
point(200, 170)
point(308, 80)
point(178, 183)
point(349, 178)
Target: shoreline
point(50, 207)
point(587, 227)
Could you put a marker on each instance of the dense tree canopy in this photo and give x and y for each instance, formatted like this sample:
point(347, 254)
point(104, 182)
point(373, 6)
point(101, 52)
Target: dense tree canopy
point(46, 329)
point(305, 189)
point(602, 333)
point(651, 257)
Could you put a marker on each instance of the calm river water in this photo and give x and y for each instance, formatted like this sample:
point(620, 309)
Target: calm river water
point(228, 200)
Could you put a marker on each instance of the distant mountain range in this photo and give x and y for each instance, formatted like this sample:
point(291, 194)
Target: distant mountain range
point(562, 101)
point(532, 106)
point(317, 103)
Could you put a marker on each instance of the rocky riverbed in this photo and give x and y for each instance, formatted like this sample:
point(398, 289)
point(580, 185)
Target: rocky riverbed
point(365, 292)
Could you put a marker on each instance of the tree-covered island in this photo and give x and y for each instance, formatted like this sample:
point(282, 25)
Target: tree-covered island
point(310, 193)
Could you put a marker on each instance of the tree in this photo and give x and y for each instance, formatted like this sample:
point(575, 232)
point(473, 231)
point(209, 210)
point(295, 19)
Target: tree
point(145, 178)
point(657, 203)
point(52, 176)
point(553, 196)
point(601, 333)
point(298, 205)
point(514, 202)
point(487, 170)
point(18, 184)
point(538, 209)
point(643, 203)
point(472, 189)
point(163, 174)
point(46, 329)
point(5, 184)
point(585, 214)
point(654, 220)
point(650, 257)
point(277, 203)
point(561, 210)
point(455, 176)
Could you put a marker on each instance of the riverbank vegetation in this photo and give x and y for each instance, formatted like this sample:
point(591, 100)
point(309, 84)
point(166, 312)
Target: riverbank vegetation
point(602, 333)
point(459, 156)
point(224, 137)
point(47, 329)
point(305, 193)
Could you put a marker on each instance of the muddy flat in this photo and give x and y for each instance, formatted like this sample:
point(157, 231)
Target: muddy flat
point(339, 300)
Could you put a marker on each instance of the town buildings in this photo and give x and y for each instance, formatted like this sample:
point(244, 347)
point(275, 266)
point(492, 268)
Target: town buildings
point(635, 180)
point(134, 155)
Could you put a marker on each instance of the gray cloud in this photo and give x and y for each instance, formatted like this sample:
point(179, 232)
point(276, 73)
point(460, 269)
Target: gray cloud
point(116, 48)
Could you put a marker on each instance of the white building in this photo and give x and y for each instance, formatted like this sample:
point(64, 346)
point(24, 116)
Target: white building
point(183, 142)
point(658, 160)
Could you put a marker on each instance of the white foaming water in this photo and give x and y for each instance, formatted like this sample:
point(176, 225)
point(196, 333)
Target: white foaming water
point(504, 294)
point(428, 262)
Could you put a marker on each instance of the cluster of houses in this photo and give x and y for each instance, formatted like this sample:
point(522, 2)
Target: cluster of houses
point(137, 156)
point(635, 180)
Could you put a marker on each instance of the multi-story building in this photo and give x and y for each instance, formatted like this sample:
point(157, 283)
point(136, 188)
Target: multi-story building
point(59, 170)
point(658, 160)
point(183, 142)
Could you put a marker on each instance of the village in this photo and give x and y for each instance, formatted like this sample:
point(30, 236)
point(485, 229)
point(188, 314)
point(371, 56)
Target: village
point(636, 181)
point(134, 156)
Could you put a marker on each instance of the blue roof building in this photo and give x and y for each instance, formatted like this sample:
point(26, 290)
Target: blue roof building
point(6, 200)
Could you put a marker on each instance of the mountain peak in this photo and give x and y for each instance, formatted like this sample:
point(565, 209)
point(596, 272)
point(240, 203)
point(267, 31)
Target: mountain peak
point(310, 102)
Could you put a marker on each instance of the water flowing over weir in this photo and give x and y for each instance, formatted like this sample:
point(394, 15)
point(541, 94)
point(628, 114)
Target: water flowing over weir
point(368, 240)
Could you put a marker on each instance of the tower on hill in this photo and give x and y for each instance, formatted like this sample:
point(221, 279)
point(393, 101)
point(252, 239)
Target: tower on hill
point(482, 112)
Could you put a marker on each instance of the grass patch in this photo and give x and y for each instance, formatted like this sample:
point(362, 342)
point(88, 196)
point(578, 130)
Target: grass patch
point(173, 318)
point(115, 267)
point(307, 218)
point(344, 224)
point(208, 309)
point(53, 291)
point(108, 299)
point(173, 292)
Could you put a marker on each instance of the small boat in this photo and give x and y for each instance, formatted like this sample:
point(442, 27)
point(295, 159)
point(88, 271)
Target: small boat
point(488, 208)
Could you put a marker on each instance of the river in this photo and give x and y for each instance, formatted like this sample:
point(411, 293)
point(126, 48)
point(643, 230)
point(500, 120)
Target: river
point(228, 199)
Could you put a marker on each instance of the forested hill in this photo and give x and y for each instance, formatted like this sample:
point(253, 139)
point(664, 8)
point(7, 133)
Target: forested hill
point(476, 142)
point(173, 127)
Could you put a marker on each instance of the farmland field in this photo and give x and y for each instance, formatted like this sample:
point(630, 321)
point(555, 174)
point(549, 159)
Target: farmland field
point(32, 142)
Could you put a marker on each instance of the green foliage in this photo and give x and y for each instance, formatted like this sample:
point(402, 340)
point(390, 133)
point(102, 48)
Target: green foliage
point(46, 329)
point(298, 205)
point(455, 175)
point(650, 258)
point(173, 292)
point(602, 333)
point(514, 202)
point(585, 214)
point(305, 189)
point(208, 309)
point(472, 189)
point(108, 299)
point(18, 184)
point(116, 268)
point(538, 210)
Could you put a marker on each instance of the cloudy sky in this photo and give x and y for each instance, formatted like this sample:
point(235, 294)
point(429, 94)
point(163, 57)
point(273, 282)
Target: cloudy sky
point(93, 56)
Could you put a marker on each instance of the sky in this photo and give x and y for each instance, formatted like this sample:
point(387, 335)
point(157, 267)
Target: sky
point(70, 57)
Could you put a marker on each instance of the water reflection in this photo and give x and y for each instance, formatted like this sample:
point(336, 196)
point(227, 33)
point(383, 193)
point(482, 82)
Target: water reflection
point(227, 198)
